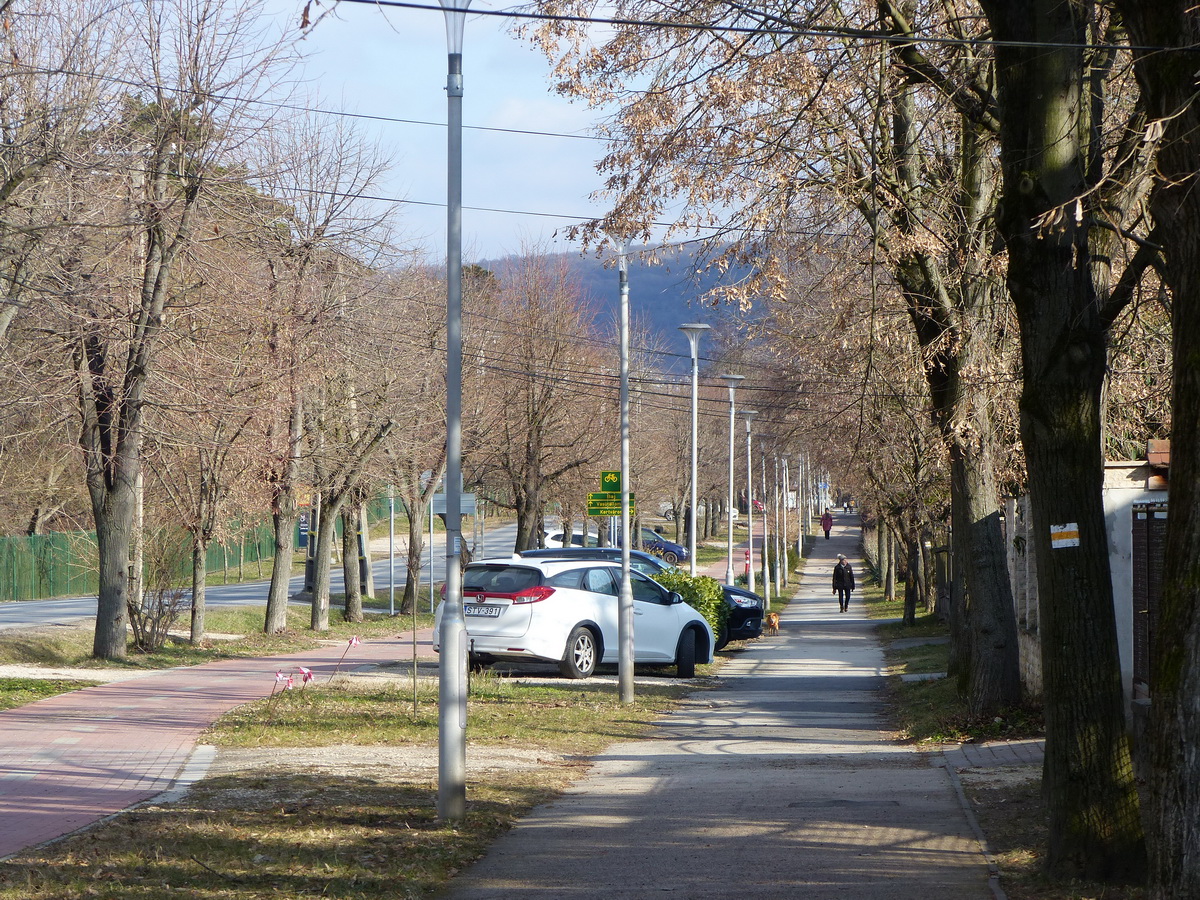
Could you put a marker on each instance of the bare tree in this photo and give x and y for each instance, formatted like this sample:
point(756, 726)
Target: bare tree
point(314, 173)
point(1060, 247)
point(1165, 36)
point(194, 55)
point(540, 345)
point(48, 104)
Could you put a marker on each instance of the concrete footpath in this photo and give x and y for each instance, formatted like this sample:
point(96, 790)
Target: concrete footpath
point(779, 784)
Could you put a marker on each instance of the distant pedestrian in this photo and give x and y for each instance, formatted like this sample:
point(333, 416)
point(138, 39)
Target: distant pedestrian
point(827, 523)
point(843, 582)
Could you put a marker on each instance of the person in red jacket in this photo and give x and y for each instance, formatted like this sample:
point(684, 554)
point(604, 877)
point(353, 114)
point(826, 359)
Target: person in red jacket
point(827, 523)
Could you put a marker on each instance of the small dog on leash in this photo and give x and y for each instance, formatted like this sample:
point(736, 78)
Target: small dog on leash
point(772, 623)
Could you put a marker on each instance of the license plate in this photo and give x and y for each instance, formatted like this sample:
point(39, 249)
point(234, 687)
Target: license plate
point(490, 612)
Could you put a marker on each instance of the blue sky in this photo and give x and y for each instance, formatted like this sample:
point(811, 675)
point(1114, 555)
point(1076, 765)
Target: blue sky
point(392, 62)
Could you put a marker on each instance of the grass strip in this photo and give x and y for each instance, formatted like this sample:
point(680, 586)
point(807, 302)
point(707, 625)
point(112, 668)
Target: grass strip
point(16, 692)
point(233, 632)
point(355, 827)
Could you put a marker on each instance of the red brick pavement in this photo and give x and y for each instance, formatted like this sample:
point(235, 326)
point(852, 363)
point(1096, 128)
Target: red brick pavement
point(69, 761)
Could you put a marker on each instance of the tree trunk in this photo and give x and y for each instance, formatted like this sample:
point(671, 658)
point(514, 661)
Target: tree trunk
point(351, 577)
point(1044, 214)
point(283, 515)
point(912, 588)
point(958, 666)
point(326, 531)
point(995, 680)
point(417, 514)
point(889, 579)
point(929, 569)
point(113, 512)
point(529, 520)
point(284, 521)
point(199, 579)
point(1167, 81)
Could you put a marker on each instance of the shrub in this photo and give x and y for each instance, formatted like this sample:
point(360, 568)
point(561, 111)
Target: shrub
point(702, 593)
point(154, 614)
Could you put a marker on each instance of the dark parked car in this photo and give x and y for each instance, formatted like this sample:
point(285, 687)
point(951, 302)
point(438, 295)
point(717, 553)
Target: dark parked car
point(745, 615)
point(653, 542)
point(646, 563)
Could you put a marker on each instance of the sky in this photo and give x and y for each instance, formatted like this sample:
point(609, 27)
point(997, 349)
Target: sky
point(392, 62)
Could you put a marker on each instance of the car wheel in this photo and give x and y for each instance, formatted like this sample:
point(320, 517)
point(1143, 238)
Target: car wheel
point(580, 658)
point(722, 637)
point(685, 656)
point(670, 558)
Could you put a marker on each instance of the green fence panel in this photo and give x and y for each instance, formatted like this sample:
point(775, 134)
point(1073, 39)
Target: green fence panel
point(64, 564)
point(48, 565)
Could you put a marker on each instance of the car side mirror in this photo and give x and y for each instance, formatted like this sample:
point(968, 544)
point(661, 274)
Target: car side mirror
point(675, 597)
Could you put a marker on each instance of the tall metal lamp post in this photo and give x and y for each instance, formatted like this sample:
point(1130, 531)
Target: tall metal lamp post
point(693, 331)
point(625, 610)
point(749, 414)
point(783, 538)
point(732, 382)
point(452, 666)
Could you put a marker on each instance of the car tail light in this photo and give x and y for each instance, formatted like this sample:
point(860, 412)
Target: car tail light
point(532, 594)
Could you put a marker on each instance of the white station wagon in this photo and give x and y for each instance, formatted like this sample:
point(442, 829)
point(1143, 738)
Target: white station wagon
point(565, 611)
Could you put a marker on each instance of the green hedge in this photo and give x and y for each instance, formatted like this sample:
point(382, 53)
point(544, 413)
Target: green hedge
point(702, 593)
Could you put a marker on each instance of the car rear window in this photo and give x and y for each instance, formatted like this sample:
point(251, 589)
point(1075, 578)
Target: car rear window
point(500, 579)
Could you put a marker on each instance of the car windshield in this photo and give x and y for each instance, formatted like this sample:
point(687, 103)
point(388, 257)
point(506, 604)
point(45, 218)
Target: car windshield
point(646, 567)
point(500, 579)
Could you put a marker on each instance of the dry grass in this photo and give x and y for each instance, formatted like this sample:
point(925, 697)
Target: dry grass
point(337, 796)
point(1008, 805)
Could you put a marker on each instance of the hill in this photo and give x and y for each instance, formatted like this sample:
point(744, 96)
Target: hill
point(664, 296)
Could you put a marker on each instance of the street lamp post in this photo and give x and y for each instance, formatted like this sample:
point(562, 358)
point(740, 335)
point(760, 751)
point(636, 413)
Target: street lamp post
point(452, 665)
point(749, 414)
point(776, 544)
point(766, 511)
point(625, 592)
point(693, 332)
point(784, 458)
point(732, 382)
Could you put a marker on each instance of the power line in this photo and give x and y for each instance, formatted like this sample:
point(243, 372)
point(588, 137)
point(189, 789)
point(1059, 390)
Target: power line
point(839, 33)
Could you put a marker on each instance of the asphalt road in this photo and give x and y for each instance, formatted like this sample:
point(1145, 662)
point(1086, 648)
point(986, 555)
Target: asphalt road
point(497, 541)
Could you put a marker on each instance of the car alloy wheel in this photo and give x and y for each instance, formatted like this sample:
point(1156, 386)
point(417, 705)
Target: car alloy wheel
point(580, 658)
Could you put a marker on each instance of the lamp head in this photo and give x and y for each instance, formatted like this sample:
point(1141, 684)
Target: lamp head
point(693, 331)
point(455, 12)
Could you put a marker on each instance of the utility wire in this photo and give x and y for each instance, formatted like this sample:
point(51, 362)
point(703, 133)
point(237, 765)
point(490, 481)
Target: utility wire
point(839, 33)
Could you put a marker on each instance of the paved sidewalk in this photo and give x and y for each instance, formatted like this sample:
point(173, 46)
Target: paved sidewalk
point(69, 761)
point(782, 783)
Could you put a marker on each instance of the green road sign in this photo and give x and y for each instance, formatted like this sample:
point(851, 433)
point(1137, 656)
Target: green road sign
point(608, 503)
point(610, 481)
point(607, 509)
point(608, 497)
